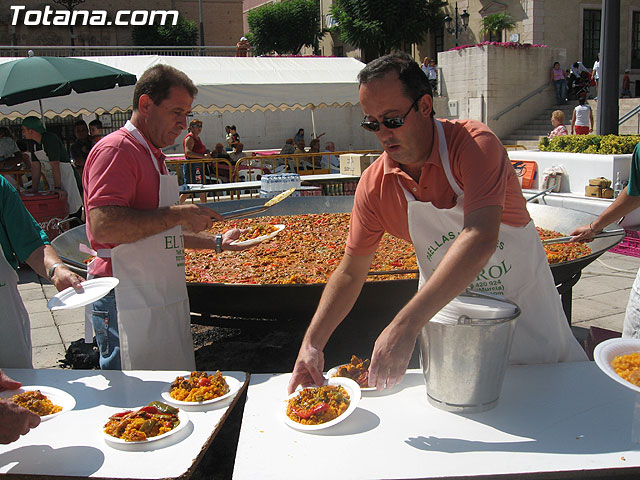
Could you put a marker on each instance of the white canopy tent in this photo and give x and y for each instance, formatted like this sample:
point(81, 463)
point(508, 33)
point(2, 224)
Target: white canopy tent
point(225, 84)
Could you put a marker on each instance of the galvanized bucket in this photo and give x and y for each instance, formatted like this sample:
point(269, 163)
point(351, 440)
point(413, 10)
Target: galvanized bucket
point(464, 352)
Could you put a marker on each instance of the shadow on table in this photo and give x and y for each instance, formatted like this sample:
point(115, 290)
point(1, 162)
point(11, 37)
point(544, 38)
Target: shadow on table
point(25, 457)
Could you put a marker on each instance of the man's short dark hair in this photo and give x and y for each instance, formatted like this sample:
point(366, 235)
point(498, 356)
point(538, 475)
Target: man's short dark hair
point(95, 123)
point(80, 122)
point(414, 82)
point(157, 82)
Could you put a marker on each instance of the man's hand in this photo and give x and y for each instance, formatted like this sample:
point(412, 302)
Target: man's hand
point(583, 234)
point(65, 278)
point(14, 420)
point(308, 368)
point(391, 354)
point(195, 218)
point(231, 236)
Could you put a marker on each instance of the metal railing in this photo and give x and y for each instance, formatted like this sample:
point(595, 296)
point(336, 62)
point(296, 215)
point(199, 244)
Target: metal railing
point(627, 116)
point(107, 50)
point(535, 92)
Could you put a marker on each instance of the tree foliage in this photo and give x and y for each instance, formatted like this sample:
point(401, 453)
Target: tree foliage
point(285, 27)
point(183, 33)
point(496, 23)
point(378, 27)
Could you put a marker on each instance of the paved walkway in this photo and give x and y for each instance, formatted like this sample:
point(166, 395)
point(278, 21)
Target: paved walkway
point(599, 299)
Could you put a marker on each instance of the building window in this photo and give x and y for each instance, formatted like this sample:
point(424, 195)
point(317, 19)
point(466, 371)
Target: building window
point(338, 51)
point(590, 37)
point(438, 38)
point(635, 41)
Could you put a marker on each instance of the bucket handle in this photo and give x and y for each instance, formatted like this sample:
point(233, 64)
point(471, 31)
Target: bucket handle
point(466, 320)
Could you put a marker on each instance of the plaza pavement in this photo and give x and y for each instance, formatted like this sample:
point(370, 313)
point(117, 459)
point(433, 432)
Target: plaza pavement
point(599, 299)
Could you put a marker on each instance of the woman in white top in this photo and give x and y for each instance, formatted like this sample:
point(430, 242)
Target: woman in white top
point(582, 118)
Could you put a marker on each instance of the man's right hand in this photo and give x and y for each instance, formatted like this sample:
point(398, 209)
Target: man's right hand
point(308, 368)
point(14, 420)
point(195, 218)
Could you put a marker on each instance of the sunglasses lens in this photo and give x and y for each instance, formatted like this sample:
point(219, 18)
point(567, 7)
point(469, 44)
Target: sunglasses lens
point(393, 122)
point(371, 126)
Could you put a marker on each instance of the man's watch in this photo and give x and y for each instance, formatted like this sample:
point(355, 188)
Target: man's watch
point(218, 243)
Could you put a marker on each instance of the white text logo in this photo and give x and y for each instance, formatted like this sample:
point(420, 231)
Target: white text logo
point(91, 17)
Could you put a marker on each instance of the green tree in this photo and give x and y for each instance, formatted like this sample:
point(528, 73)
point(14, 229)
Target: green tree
point(497, 23)
point(377, 27)
point(285, 27)
point(183, 33)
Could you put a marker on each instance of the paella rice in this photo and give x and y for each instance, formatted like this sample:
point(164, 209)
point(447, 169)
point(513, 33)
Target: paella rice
point(357, 370)
point(316, 405)
point(135, 426)
point(256, 231)
point(199, 387)
point(36, 402)
point(628, 367)
point(562, 252)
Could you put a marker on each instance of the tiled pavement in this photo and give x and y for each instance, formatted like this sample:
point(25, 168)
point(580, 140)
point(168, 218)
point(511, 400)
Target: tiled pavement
point(599, 299)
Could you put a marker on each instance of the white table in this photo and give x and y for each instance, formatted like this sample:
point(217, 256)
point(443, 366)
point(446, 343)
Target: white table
point(72, 445)
point(551, 420)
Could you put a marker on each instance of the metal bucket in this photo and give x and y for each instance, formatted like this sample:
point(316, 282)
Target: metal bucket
point(464, 352)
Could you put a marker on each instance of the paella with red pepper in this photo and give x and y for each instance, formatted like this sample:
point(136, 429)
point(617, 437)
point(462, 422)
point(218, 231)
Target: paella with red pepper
point(151, 421)
point(199, 387)
point(317, 405)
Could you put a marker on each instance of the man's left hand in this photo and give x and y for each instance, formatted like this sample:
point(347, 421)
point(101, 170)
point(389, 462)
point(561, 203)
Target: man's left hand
point(65, 278)
point(391, 354)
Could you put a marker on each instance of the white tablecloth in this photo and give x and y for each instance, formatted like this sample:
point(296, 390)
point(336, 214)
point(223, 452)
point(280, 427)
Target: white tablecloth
point(550, 418)
point(72, 444)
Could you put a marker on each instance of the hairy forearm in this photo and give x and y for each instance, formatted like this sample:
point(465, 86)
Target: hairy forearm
point(115, 225)
point(338, 297)
point(623, 205)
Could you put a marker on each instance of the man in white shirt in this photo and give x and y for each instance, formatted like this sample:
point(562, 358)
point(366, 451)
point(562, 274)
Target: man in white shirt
point(595, 73)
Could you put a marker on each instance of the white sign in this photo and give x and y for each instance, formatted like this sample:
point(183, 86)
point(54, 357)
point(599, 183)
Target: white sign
point(515, 37)
point(106, 120)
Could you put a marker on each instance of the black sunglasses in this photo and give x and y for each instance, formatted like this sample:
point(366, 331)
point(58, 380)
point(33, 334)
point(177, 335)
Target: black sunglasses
point(397, 122)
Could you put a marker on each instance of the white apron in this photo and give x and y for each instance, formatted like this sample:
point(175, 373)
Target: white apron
point(154, 322)
point(15, 329)
point(518, 269)
point(67, 179)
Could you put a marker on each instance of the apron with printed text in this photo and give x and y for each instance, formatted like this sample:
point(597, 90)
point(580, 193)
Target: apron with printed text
point(151, 299)
point(15, 330)
point(518, 270)
point(67, 178)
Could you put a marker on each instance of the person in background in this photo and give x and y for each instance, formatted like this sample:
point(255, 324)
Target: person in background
point(560, 83)
point(139, 232)
point(432, 76)
point(235, 137)
point(425, 66)
point(46, 146)
point(288, 147)
point(595, 73)
point(625, 91)
point(194, 149)
point(219, 152)
point(243, 47)
point(238, 153)
point(576, 71)
point(221, 169)
point(95, 130)
point(22, 240)
point(437, 180)
point(10, 154)
point(331, 161)
point(14, 419)
point(228, 138)
point(299, 136)
point(314, 147)
point(628, 200)
point(581, 119)
point(79, 149)
point(557, 120)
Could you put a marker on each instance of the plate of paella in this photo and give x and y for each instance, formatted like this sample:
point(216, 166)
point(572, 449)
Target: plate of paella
point(619, 358)
point(48, 402)
point(258, 233)
point(143, 425)
point(201, 388)
point(357, 370)
point(318, 407)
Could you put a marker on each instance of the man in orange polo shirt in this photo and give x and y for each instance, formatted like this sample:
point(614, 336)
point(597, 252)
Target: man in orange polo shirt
point(449, 188)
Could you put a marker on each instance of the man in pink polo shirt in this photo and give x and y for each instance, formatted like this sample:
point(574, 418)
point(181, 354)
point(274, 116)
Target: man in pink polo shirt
point(449, 188)
point(135, 225)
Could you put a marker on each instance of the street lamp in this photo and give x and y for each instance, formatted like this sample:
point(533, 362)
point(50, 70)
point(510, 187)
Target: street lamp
point(460, 23)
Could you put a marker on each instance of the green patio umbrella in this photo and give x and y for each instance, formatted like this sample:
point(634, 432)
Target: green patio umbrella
point(35, 78)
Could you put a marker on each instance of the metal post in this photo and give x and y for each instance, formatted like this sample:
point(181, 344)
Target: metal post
point(201, 24)
point(608, 85)
point(456, 20)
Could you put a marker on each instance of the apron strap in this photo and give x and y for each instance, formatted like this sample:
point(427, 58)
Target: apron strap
point(444, 159)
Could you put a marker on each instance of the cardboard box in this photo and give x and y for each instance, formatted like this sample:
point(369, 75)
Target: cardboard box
point(591, 191)
point(607, 193)
point(600, 182)
point(351, 164)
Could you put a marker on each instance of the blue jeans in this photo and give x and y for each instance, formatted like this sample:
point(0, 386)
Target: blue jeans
point(561, 92)
point(105, 325)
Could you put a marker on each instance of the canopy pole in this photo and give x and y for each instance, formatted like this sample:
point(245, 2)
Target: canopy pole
point(313, 123)
point(41, 112)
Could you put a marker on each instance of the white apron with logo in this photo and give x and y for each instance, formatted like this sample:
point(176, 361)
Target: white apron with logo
point(518, 269)
point(15, 330)
point(67, 179)
point(154, 322)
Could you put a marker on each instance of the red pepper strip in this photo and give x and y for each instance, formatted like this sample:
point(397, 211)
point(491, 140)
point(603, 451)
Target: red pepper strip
point(306, 413)
point(150, 409)
point(121, 414)
point(363, 379)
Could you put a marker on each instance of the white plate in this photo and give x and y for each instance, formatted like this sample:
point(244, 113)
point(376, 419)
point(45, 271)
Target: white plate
point(57, 397)
point(262, 238)
point(234, 386)
point(605, 352)
point(332, 374)
point(182, 416)
point(352, 388)
point(93, 290)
